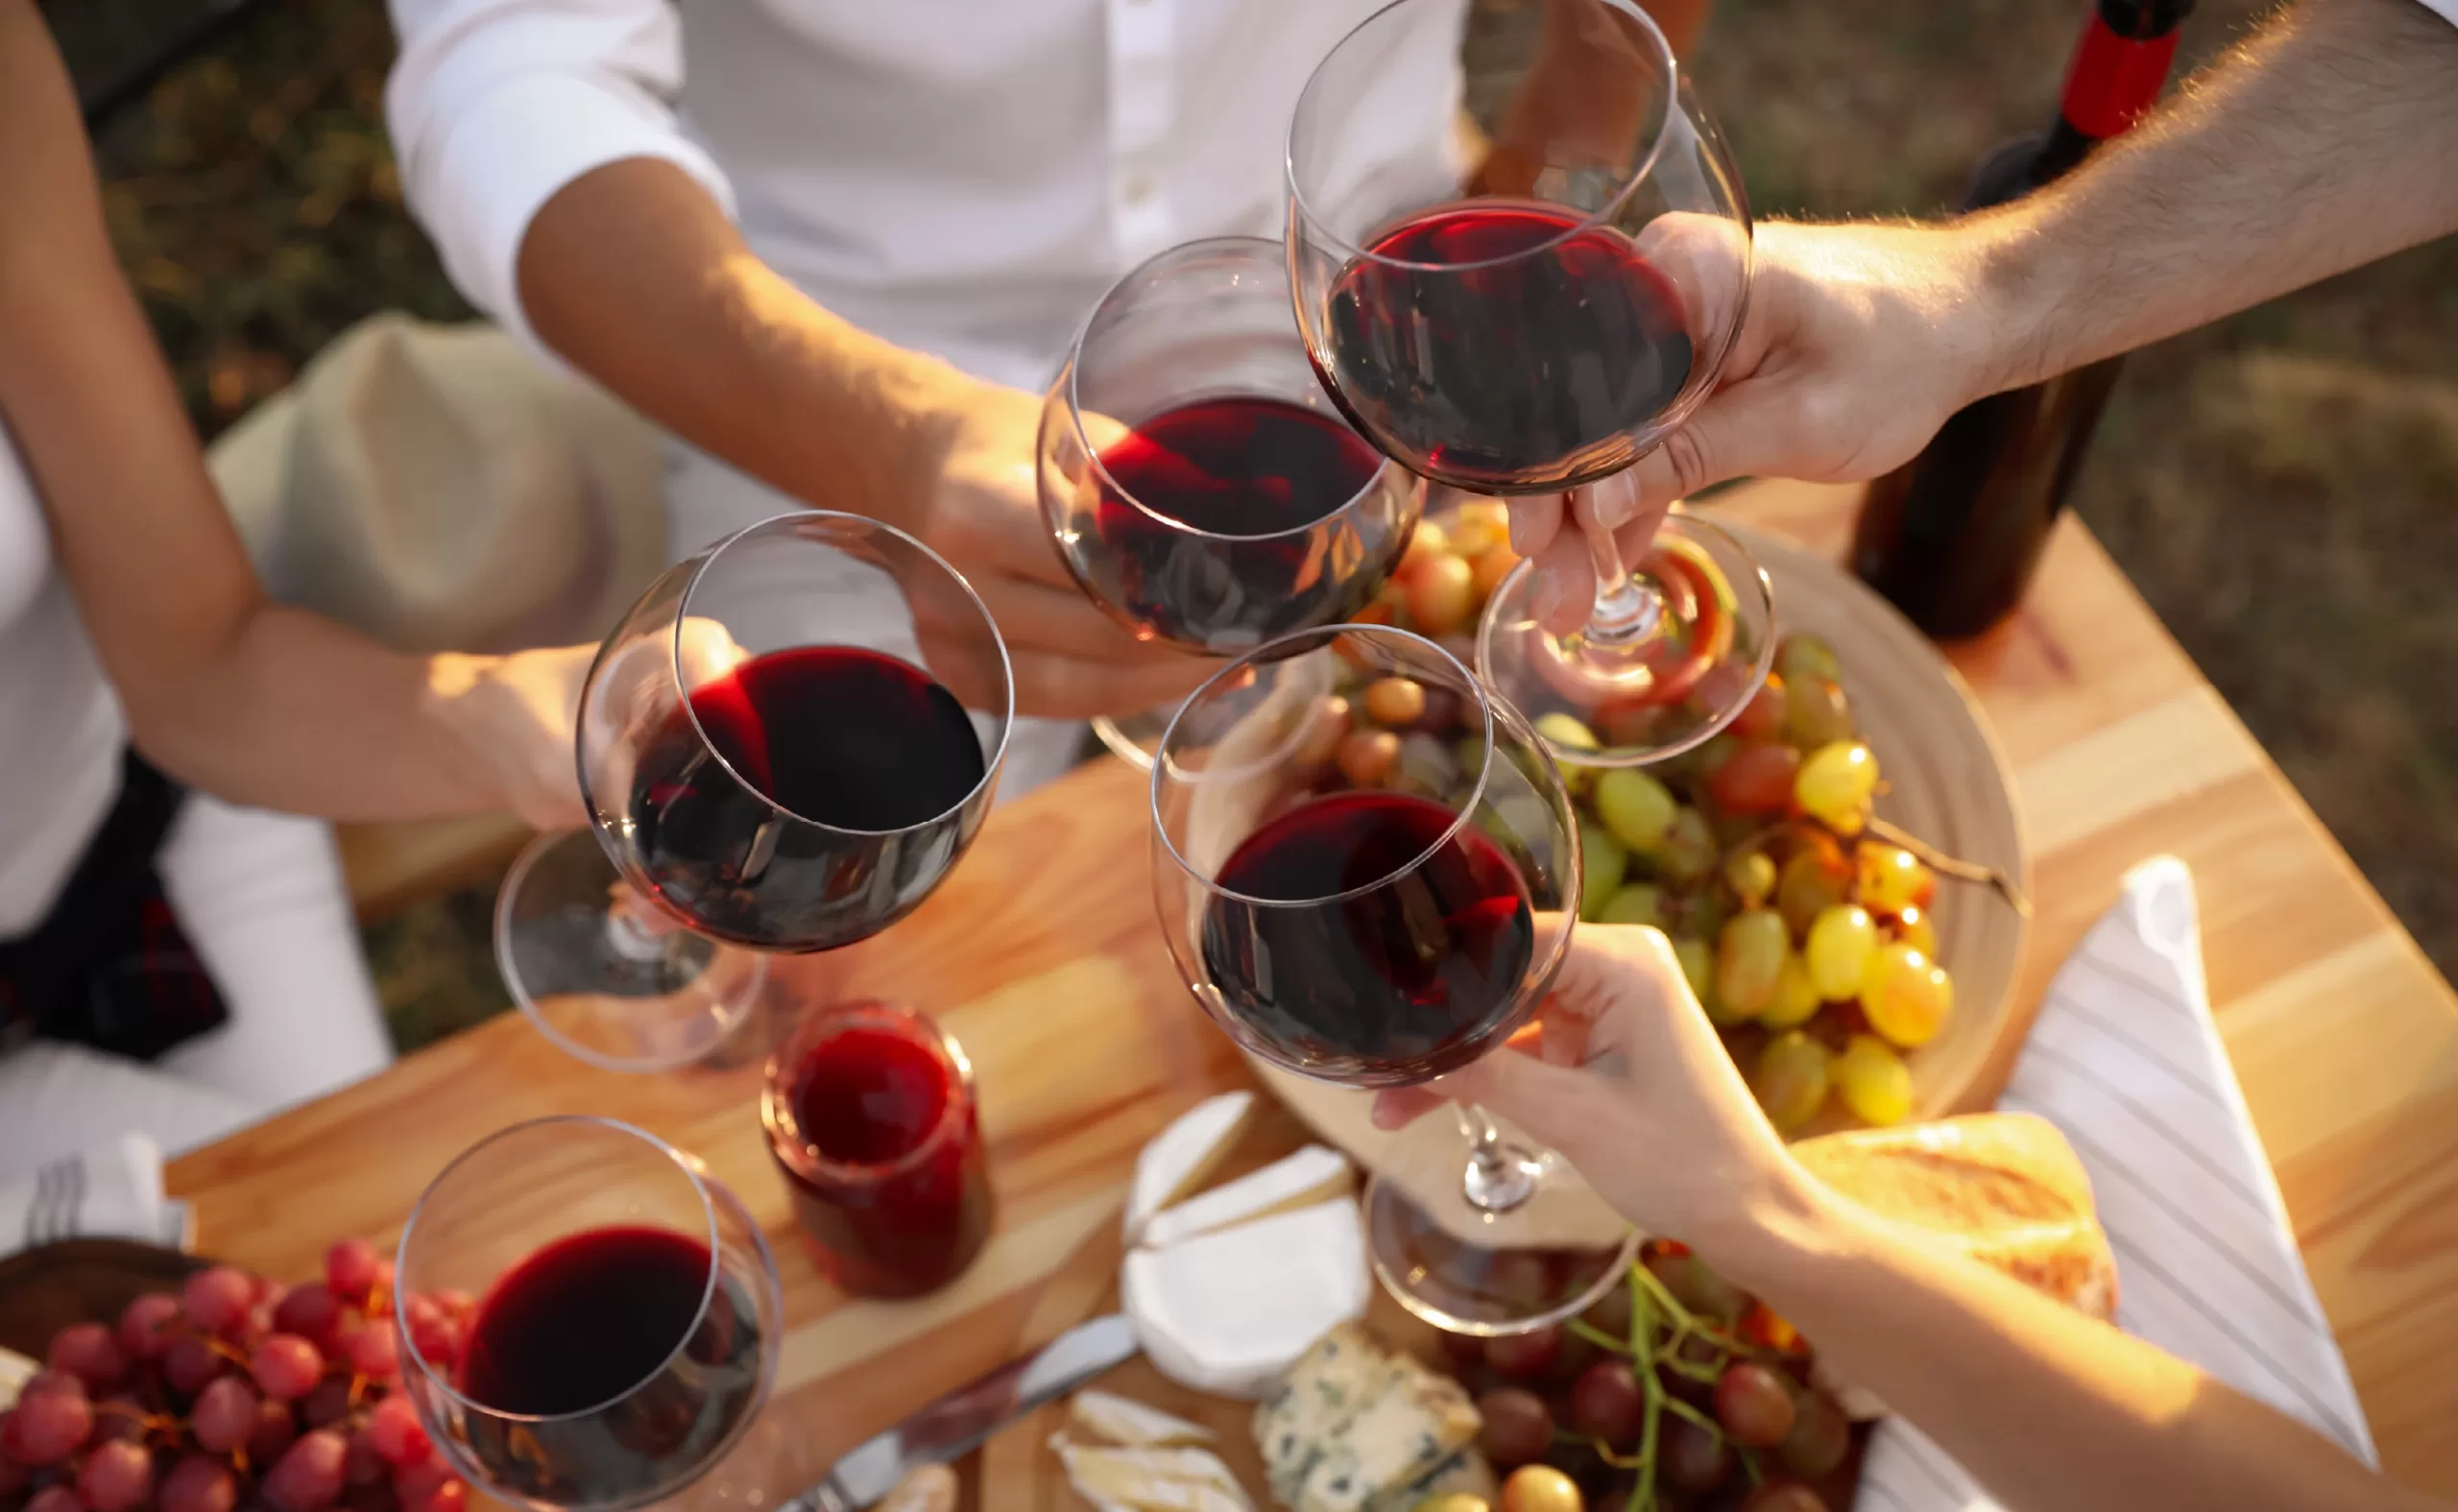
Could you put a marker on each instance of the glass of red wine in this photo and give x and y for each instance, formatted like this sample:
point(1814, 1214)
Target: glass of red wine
point(1529, 307)
point(627, 1324)
point(1194, 476)
point(1379, 923)
point(784, 747)
point(872, 1120)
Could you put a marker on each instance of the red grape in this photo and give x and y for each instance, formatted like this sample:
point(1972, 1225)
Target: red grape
point(415, 1481)
point(308, 1475)
point(218, 1299)
point(13, 1476)
point(361, 1465)
point(87, 1351)
point(276, 1428)
point(54, 1498)
point(190, 1363)
point(374, 1350)
point(446, 1496)
point(329, 1403)
point(310, 1311)
point(1820, 1436)
point(1784, 1496)
point(1466, 1351)
point(456, 1304)
point(1693, 1458)
point(118, 1476)
point(1755, 779)
point(225, 1415)
point(1753, 1406)
point(48, 1427)
point(394, 1428)
point(1524, 1355)
point(199, 1484)
point(436, 1338)
point(145, 1325)
point(1762, 718)
point(1606, 1403)
point(286, 1366)
point(352, 1269)
point(1518, 1425)
point(49, 1381)
point(118, 1418)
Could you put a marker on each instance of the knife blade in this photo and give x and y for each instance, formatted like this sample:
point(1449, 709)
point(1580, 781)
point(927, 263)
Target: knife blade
point(964, 1417)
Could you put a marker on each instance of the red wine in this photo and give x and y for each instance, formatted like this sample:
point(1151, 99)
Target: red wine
point(1246, 471)
point(837, 736)
point(880, 1140)
point(1401, 981)
point(1518, 354)
point(1953, 537)
point(621, 1380)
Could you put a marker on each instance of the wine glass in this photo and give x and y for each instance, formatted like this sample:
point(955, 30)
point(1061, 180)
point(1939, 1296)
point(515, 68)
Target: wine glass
point(1194, 476)
point(1371, 888)
point(1530, 312)
point(628, 1323)
point(787, 744)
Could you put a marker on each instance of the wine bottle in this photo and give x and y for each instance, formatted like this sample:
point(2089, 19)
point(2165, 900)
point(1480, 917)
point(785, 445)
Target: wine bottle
point(1953, 535)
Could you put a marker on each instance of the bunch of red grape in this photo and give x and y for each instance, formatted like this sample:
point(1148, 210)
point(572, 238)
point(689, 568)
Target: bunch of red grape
point(236, 1392)
point(1677, 1391)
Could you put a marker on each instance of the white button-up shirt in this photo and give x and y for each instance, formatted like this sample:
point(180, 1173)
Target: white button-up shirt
point(962, 177)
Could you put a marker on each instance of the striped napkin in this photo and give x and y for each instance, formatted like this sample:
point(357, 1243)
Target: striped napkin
point(2125, 1059)
point(112, 1191)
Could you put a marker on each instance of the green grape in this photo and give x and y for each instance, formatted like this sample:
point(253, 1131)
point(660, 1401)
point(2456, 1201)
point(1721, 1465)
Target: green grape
point(1702, 913)
point(1698, 964)
point(1906, 996)
point(1891, 877)
point(1812, 880)
point(1791, 1080)
point(1569, 734)
point(1689, 849)
point(1873, 1081)
point(1916, 929)
point(1749, 956)
point(1602, 861)
point(1816, 713)
point(1796, 1000)
point(1635, 806)
point(1638, 904)
point(1838, 952)
point(1801, 655)
point(1751, 877)
point(1835, 785)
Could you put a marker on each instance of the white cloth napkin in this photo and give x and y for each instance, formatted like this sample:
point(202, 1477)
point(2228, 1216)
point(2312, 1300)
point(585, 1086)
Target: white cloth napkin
point(2125, 1059)
point(109, 1190)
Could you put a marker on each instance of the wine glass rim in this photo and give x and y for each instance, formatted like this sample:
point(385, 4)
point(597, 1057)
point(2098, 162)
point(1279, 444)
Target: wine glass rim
point(443, 1380)
point(783, 523)
point(1660, 131)
point(800, 1153)
point(1072, 374)
point(1326, 633)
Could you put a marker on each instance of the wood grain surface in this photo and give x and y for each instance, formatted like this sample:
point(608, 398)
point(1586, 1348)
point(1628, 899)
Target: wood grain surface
point(1043, 957)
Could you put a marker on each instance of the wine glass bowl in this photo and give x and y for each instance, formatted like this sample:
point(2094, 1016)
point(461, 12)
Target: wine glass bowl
point(1373, 928)
point(795, 734)
point(628, 1328)
point(1195, 479)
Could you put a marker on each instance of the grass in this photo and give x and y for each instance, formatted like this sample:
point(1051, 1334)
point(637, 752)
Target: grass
point(2281, 485)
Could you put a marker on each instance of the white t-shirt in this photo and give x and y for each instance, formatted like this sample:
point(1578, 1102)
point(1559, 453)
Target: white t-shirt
point(60, 727)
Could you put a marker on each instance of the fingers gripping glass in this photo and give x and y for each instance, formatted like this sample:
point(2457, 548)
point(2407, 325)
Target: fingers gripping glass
point(1377, 906)
point(1530, 306)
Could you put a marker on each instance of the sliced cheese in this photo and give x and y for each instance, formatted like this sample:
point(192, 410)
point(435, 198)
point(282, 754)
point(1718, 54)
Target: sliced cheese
point(1123, 1421)
point(1182, 1157)
point(1317, 1173)
point(1152, 1479)
point(1227, 1312)
point(1395, 1441)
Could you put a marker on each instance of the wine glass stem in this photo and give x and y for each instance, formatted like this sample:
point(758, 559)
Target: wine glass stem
point(1500, 1176)
point(627, 935)
point(1627, 611)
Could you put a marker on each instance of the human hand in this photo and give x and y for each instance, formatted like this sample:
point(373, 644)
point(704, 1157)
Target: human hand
point(1856, 342)
point(1630, 1085)
point(1069, 658)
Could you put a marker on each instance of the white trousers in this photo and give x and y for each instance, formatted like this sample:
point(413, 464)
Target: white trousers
point(261, 898)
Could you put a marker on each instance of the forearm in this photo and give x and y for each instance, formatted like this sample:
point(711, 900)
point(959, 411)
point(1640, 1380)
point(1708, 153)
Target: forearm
point(2046, 1408)
point(2326, 141)
point(693, 330)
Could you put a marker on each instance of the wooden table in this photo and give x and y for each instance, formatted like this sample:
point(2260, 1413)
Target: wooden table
point(1042, 955)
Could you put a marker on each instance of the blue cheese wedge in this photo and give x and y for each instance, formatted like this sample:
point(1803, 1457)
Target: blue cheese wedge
point(1464, 1473)
point(1396, 1440)
point(1318, 1398)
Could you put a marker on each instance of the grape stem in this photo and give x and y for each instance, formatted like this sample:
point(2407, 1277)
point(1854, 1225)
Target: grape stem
point(1944, 865)
point(1643, 1347)
point(1582, 1328)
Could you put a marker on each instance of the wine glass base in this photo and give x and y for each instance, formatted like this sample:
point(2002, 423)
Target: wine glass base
point(608, 980)
point(1666, 691)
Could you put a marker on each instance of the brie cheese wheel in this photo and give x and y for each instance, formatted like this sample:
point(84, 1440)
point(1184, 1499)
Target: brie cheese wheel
point(1122, 1420)
point(1227, 1312)
point(1317, 1173)
point(1183, 1156)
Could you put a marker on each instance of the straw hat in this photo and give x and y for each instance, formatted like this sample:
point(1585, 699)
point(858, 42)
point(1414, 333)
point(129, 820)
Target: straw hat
point(436, 488)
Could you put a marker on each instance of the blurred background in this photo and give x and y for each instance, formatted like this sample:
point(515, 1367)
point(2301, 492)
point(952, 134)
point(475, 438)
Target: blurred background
point(2283, 487)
